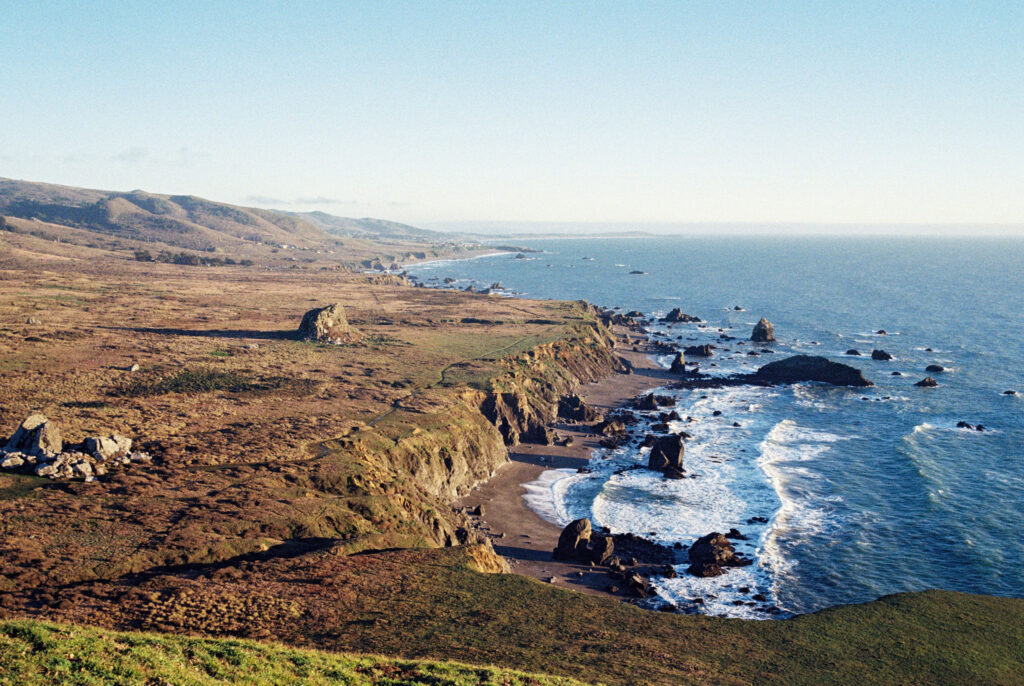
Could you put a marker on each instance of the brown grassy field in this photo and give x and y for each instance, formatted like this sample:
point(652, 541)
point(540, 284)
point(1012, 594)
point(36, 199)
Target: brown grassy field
point(300, 491)
point(239, 414)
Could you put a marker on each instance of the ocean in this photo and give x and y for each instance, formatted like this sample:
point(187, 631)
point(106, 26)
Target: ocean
point(844, 494)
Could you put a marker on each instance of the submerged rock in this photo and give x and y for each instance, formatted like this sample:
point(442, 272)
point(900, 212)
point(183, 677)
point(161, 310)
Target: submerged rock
point(610, 427)
point(811, 368)
point(880, 355)
point(652, 402)
point(935, 368)
point(763, 332)
point(927, 382)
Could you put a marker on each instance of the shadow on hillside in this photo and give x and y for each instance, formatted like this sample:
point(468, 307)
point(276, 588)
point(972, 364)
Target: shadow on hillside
point(549, 461)
point(514, 552)
point(213, 333)
point(291, 548)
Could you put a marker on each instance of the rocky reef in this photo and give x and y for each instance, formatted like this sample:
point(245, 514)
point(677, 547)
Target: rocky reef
point(810, 368)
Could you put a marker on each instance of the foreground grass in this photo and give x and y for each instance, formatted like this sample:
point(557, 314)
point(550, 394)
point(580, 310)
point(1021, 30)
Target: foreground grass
point(42, 653)
point(931, 637)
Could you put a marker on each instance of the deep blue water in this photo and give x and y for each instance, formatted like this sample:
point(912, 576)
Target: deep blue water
point(867, 491)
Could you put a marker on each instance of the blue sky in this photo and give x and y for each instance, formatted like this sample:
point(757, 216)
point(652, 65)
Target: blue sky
point(511, 111)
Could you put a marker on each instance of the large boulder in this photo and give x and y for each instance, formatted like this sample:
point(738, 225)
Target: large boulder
point(602, 549)
point(764, 332)
point(108, 447)
point(574, 541)
point(678, 364)
point(610, 427)
point(651, 402)
point(666, 454)
point(880, 355)
point(710, 555)
point(811, 368)
point(638, 585)
point(36, 436)
point(327, 325)
point(678, 316)
point(927, 382)
point(698, 350)
point(573, 408)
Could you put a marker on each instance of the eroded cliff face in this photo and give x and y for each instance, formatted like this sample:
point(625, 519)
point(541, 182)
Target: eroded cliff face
point(523, 402)
point(399, 475)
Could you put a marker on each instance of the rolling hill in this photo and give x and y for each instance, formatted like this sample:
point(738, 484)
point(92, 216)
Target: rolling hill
point(139, 222)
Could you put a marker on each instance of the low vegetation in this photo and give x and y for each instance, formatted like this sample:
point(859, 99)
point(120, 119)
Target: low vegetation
point(43, 653)
point(300, 492)
point(190, 381)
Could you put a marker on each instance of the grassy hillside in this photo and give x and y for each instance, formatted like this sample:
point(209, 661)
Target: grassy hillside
point(136, 221)
point(276, 460)
point(44, 653)
point(435, 604)
point(367, 227)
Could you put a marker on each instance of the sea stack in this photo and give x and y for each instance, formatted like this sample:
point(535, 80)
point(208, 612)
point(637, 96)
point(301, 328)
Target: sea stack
point(764, 332)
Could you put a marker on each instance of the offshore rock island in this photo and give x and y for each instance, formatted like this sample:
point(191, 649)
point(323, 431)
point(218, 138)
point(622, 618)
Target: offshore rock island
point(260, 429)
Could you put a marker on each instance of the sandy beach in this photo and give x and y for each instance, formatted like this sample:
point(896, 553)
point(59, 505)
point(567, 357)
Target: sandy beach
point(519, 534)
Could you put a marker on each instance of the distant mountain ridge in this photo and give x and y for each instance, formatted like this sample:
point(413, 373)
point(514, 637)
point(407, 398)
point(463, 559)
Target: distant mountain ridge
point(139, 220)
point(184, 221)
point(367, 227)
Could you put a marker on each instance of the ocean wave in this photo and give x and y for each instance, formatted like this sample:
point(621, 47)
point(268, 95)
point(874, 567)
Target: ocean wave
point(727, 489)
point(800, 516)
point(545, 495)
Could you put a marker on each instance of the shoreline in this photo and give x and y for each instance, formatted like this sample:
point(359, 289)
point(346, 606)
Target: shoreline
point(519, 534)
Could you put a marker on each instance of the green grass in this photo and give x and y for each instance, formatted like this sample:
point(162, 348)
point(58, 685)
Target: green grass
point(42, 653)
point(188, 381)
point(205, 380)
point(932, 637)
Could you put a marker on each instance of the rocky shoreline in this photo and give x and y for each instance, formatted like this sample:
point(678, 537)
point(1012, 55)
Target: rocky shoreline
point(624, 565)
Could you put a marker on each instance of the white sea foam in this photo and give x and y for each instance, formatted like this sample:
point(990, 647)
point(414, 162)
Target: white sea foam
point(545, 495)
point(799, 516)
point(727, 488)
point(440, 264)
point(946, 424)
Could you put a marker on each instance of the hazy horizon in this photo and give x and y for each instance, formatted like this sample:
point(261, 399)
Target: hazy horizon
point(541, 229)
point(614, 113)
